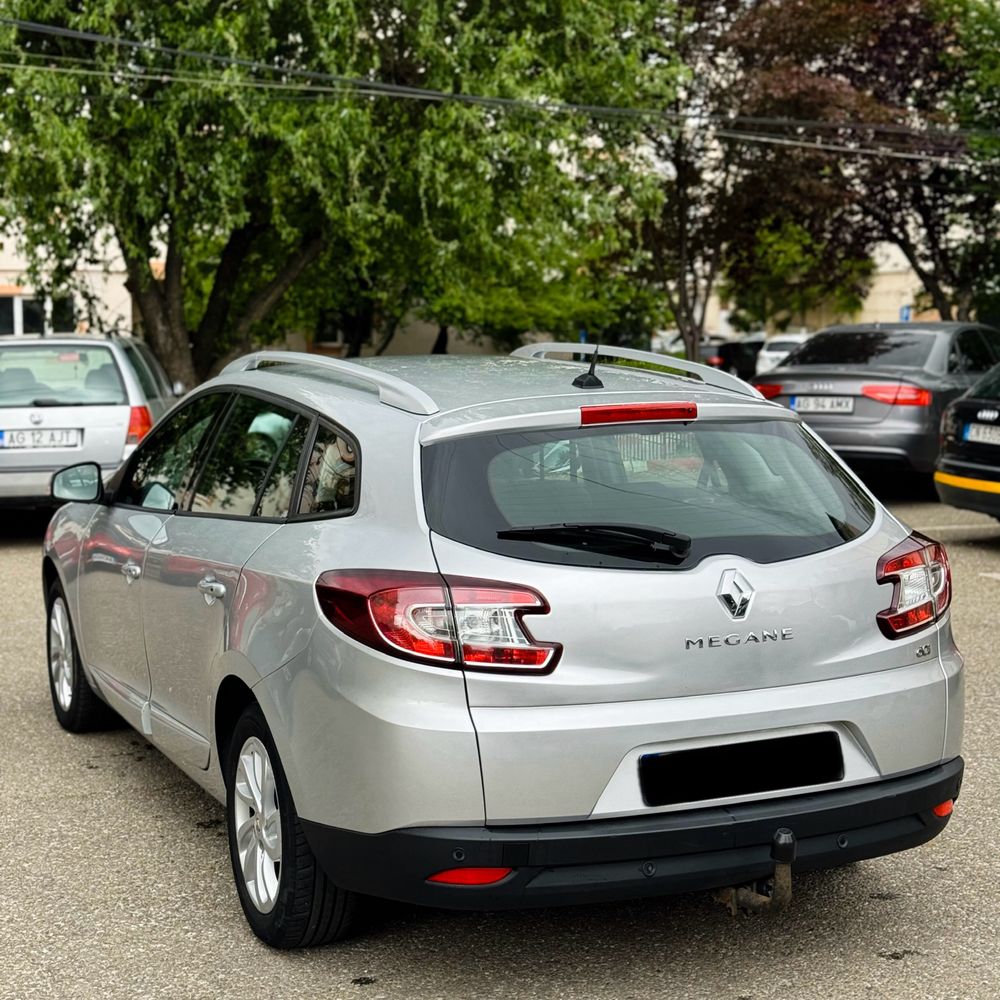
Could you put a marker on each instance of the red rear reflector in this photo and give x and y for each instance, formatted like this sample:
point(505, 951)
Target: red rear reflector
point(768, 389)
point(470, 876)
point(897, 394)
point(945, 808)
point(140, 422)
point(629, 413)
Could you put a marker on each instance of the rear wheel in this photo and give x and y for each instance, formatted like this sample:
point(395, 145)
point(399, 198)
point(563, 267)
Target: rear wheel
point(287, 899)
point(77, 707)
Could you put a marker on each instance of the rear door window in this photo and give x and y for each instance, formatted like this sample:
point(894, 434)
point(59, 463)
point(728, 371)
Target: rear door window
point(164, 463)
point(969, 353)
point(59, 375)
point(146, 381)
point(242, 457)
point(765, 490)
point(889, 348)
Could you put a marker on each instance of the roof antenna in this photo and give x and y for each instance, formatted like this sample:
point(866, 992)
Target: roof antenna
point(588, 380)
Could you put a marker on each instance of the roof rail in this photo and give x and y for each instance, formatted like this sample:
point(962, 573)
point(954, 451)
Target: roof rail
point(392, 391)
point(707, 374)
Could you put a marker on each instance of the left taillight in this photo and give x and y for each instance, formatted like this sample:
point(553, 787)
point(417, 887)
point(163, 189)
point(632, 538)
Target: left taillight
point(446, 621)
point(920, 575)
point(140, 422)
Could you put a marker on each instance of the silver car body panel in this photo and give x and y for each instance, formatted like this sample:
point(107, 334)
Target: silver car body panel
point(373, 743)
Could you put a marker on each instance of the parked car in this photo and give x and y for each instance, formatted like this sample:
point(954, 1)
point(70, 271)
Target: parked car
point(72, 399)
point(708, 348)
point(739, 356)
point(968, 468)
point(775, 350)
point(457, 631)
point(877, 392)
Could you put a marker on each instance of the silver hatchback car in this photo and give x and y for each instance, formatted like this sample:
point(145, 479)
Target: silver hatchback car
point(72, 399)
point(502, 632)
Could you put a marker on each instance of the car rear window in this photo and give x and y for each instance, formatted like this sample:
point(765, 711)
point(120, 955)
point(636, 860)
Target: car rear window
point(988, 387)
point(893, 348)
point(782, 345)
point(763, 489)
point(59, 375)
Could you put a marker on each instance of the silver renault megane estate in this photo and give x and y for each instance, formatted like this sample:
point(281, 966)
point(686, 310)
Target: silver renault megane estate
point(504, 632)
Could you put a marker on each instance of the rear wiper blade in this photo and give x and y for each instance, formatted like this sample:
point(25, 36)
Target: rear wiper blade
point(50, 401)
point(603, 535)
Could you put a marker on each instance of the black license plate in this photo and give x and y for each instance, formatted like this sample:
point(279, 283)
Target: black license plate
point(732, 769)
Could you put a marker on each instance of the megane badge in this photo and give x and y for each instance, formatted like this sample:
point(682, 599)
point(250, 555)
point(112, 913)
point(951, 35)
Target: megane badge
point(735, 593)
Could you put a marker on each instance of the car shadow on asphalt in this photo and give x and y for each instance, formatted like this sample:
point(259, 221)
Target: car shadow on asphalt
point(23, 525)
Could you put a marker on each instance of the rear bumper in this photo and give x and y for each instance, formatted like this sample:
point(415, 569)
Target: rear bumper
point(588, 861)
point(33, 487)
point(914, 446)
point(972, 487)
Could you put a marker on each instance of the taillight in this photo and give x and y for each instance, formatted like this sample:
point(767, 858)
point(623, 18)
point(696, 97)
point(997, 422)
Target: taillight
point(140, 422)
point(768, 389)
point(715, 361)
point(629, 413)
point(452, 622)
point(897, 394)
point(920, 576)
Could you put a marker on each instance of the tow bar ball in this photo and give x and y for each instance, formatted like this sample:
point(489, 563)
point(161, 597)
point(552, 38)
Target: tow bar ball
point(772, 894)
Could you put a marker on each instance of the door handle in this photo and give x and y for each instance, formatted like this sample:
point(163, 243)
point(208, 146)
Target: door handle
point(211, 589)
point(131, 571)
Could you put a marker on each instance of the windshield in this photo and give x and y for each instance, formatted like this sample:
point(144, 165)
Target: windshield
point(763, 489)
point(43, 375)
point(889, 348)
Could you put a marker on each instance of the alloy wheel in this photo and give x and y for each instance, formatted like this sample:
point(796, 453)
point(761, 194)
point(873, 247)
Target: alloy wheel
point(258, 824)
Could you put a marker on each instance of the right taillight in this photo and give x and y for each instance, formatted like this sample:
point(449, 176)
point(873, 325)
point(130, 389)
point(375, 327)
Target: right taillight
point(446, 621)
point(897, 394)
point(768, 389)
point(920, 576)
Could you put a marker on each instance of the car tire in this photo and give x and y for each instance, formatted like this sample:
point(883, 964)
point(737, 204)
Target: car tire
point(78, 707)
point(290, 903)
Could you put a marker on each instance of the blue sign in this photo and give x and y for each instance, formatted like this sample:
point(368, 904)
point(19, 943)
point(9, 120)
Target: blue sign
point(905, 313)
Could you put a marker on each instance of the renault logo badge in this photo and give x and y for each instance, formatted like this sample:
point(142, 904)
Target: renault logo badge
point(735, 593)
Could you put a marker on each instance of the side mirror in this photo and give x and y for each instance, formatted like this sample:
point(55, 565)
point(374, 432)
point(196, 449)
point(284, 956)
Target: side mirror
point(179, 388)
point(78, 482)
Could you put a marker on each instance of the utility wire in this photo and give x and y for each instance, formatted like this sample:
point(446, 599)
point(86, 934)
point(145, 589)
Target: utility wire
point(440, 96)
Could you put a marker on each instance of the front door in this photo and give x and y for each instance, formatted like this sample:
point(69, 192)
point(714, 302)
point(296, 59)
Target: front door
point(114, 556)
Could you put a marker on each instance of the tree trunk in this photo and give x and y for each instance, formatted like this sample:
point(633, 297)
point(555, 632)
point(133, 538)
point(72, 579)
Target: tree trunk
point(441, 343)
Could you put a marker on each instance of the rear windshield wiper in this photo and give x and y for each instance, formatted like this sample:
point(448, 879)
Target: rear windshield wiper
point(637, 539)
point(49, 401)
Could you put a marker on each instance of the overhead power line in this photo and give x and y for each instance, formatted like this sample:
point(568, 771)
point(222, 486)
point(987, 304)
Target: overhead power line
point(315, 84)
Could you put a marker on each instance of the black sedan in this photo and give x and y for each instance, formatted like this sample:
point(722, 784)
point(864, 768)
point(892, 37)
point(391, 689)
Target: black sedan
point(968, 469)
point(878, 391)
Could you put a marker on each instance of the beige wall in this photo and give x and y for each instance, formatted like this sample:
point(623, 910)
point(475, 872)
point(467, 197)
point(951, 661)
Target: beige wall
point(105, 282)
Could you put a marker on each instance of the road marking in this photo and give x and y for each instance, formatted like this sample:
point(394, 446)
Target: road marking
point(991, 576)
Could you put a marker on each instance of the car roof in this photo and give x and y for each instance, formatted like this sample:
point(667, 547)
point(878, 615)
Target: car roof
point(451, 394)
point(936, 326)
point(62, 339)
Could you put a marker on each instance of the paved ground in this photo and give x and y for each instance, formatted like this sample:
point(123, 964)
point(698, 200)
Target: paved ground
point(116, 879)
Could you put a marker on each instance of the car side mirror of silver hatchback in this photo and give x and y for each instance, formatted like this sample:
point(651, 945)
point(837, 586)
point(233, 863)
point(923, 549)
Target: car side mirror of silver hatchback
point(179, 388)
point(79, 482)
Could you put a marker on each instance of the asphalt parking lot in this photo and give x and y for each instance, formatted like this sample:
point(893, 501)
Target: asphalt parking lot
point(116, 880)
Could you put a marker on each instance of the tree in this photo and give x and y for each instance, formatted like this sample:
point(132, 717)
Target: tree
point(785, 272)
point(258, 184)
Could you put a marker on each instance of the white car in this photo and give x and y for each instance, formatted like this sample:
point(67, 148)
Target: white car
point(775, 350)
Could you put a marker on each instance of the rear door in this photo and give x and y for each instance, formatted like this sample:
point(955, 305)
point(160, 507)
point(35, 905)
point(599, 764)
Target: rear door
point(113, 554)
point(191, 583)
point(155, 399)
point(60, 404)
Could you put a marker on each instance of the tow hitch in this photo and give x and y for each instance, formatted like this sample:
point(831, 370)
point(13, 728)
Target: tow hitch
point(772, 894)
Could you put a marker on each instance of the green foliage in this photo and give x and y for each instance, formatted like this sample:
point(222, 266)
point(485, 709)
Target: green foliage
point(273, 198)
point(785, 272)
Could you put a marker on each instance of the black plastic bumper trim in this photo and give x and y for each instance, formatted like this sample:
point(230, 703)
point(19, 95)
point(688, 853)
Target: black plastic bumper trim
point(648, 855)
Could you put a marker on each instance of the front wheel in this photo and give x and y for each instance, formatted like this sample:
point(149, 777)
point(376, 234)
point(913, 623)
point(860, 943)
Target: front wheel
point(78, 709)
point(286, 897)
